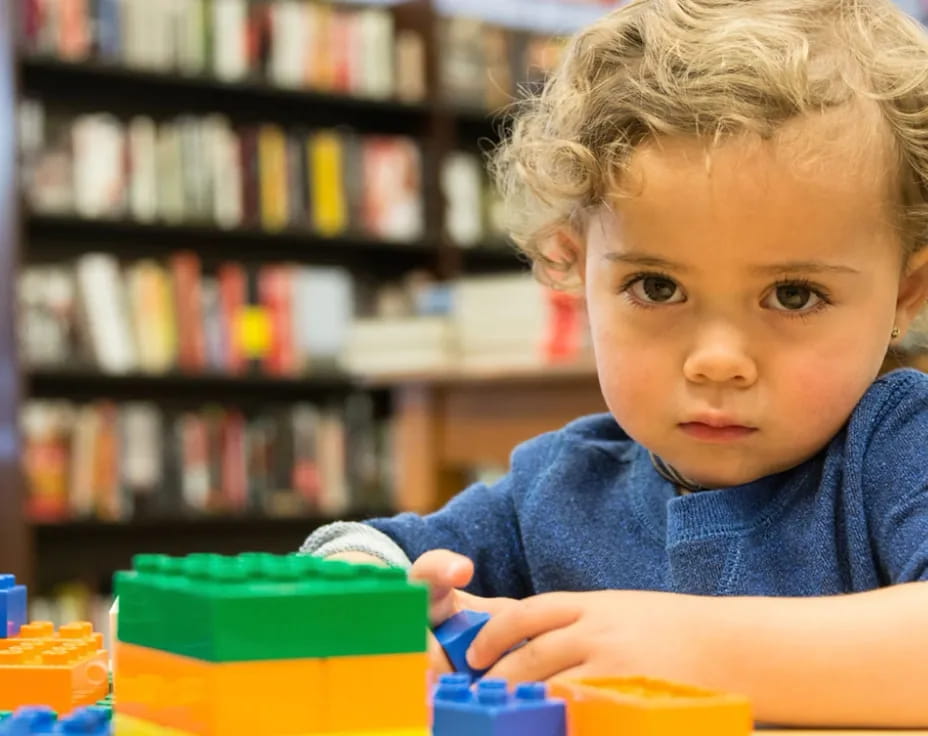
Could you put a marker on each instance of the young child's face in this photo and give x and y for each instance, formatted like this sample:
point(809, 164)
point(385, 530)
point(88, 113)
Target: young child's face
point(739, 312)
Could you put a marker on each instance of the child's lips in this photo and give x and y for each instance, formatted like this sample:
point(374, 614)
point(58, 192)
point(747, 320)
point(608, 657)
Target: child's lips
point(716, 432)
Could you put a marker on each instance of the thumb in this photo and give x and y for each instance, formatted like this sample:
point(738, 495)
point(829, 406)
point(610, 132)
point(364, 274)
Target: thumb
point(443, 571)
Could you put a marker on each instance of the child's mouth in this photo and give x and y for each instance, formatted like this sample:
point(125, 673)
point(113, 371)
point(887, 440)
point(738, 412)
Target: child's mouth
point(709, 433)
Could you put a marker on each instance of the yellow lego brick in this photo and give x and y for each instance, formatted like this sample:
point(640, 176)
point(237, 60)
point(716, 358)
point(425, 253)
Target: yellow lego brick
point(376, 693)
point(63, 669)
point(219, 699)
point(637, 706)
point(124, 725)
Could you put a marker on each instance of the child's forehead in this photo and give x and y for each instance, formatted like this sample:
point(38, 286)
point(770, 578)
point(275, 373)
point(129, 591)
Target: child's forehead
point(834, 155)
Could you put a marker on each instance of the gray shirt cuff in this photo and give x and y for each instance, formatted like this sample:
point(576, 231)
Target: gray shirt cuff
point(352, 536)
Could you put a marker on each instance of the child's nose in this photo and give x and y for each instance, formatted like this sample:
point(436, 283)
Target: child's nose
point(719, 355)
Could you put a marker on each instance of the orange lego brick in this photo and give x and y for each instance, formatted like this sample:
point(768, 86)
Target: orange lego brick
point(63, 669)
point(637, 706)
point(124, 725)
point(219, 699)
point(376, 693)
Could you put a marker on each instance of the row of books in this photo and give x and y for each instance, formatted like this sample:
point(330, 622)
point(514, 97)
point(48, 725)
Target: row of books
point(136, 460)
point(486, 66)
point(507, 321)
point(203, 170)
point(321, 46)
point(152, 317)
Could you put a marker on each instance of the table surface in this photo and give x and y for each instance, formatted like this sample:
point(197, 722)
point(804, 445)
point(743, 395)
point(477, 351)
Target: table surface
point(838, 733)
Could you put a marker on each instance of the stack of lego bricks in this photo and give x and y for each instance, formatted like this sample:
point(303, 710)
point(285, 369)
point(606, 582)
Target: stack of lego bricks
point(268, 645)
point(50, 678)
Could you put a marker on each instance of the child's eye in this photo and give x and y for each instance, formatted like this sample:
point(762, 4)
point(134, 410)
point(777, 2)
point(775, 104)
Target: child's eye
point(654, 289)
point(795, 296)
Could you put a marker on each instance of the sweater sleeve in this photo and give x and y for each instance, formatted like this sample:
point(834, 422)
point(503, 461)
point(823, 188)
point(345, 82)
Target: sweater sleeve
point(480, 523)
point(896, 482)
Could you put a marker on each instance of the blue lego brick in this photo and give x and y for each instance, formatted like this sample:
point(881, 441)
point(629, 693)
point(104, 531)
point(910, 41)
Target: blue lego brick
point(455, 636)
point(42, 721)
point(489, 709)
point(12, 606)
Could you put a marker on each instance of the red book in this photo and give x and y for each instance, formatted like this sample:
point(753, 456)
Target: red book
point(275, 284)
point(233, 299)
point(234, 472)
point(185, 273)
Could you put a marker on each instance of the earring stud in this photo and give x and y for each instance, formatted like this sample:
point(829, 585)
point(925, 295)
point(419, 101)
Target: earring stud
point(895, 333)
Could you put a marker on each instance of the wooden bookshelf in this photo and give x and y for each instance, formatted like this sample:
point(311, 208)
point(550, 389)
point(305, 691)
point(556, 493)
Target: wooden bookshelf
point(27, 237)
point(16, 542)
point(184, 388)
point(450, 423)
point(57, 237)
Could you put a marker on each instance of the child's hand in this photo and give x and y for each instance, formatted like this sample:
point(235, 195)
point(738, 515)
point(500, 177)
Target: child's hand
point(444, 572)
point(600, 633)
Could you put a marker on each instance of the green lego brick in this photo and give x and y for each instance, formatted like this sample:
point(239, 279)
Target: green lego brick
point(4, 714)
point(259, 606)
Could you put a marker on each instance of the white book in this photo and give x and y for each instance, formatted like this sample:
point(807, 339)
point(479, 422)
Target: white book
point(105, 312)
point(171, 206)
point(323, 304)
point(142, 450)
point(99, 170)
point(289, 39)
point(377, 53)
point(224, 165)
point(461, 181)
point(191, 49)
point(143, 169)
point(230, 60)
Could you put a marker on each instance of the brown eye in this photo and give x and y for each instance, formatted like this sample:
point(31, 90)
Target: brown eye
point(793, 296)
point(656, 290)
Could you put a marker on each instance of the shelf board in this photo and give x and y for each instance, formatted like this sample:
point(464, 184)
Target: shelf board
point(181, 388)
point(55, 237)
point(129, 90)
point(91, 551)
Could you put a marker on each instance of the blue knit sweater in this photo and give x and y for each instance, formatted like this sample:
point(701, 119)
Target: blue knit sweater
point(584, 509)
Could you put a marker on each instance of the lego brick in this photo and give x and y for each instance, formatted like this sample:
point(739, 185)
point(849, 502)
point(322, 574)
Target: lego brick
point(129, 726)
point(489, 709)
point(42, 721)
point(639, 706)
point(455, 636)
point(376, 693)
point(380, 692)
point(12, 606)
point(200, 697)
point(125, 725)
point(262, 606)
point(64, 669)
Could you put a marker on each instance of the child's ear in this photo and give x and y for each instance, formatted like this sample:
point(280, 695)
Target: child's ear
point(913, 289)
point(564, 251)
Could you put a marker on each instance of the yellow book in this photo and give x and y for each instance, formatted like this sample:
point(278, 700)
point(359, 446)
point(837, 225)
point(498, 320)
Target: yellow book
point(326, 166)
point(272, 157)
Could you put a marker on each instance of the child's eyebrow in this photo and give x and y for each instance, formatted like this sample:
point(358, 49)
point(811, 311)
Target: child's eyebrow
point(637, 259)
point(817, 267)
point(786, 268)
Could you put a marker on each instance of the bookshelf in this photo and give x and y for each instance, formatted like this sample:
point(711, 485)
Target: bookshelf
point(439, 122)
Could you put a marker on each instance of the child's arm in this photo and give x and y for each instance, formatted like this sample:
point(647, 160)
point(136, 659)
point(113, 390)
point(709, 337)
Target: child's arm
point(849, 660)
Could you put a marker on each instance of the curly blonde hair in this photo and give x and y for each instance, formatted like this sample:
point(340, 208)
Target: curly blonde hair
point(712, 69)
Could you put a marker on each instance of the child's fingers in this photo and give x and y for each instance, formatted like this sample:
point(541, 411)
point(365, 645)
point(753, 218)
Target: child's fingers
point(443, 570)
point(467, 601)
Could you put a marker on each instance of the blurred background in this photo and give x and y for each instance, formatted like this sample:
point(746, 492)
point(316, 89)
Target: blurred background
point(256, 273)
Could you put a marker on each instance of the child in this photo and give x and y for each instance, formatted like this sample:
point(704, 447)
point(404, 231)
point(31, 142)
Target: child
point(740, 189)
